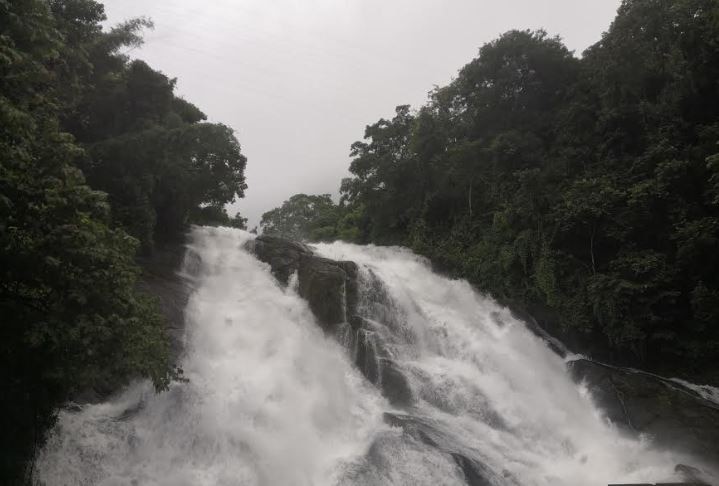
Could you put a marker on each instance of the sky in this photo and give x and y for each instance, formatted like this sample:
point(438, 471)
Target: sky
point(298, 80)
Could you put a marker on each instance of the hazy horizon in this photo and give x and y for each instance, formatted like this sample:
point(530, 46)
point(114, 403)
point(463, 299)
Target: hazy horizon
point(299, 81)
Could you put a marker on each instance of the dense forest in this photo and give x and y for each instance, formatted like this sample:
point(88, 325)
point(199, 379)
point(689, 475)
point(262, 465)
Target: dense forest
point(581, 188)
point(99, 161)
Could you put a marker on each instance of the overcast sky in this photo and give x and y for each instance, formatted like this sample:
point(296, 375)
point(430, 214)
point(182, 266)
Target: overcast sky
point(298, 80)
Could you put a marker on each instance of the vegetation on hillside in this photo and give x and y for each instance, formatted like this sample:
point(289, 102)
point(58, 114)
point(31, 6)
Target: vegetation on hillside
point(314, 218)
point(98, 158)
point(588, 187)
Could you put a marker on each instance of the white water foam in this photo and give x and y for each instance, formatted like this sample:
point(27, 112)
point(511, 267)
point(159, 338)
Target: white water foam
point(271, 401)
point(707, 392)
point(497, 389)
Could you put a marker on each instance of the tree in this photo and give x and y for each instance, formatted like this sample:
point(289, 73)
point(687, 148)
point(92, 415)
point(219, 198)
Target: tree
point(586, 188)
point(213, 215)
point(302, 217)
point(71, 103)
point(151, 151)
point(72, 317)
point(157, 177)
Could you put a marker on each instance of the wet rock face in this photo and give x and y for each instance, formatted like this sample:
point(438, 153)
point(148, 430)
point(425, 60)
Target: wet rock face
point(373, 358)
point(330, 288)
point(639, 402)
point(395, 385)
point(162, 278)
point(430, 434)
point(474, 472)
point(282, 255)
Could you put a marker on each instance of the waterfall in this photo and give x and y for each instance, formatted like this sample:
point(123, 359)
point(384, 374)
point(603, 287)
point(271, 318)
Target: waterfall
point(271, 400)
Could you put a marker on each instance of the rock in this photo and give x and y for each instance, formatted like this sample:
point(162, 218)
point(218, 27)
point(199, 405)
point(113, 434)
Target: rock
point(474, 473)
point(535, 328)
point(282, 255)
point(368, 348)
point(430, 434)
point(674, 416)
point(374, 360)
point(162, 277)
point(692, 474)
point(395, 386)
point(414, 427)
point(330, 288)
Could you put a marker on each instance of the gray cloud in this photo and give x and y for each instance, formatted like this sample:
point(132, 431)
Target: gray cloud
point(298, 80)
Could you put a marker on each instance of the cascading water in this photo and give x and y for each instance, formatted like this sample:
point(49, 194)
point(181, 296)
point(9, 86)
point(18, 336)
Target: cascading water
point(272, 401)
point(269, 401)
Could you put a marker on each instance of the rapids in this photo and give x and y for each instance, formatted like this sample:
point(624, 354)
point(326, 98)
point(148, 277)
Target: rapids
point(272, 401)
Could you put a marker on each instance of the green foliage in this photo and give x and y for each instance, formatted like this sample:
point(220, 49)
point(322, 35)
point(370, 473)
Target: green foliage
point(72, 317)
point(587, 186)
point(149, 150)
point(216, 216)
point(157, 177)
point(304, 217)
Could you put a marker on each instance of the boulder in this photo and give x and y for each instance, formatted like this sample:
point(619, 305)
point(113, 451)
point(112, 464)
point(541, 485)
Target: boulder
point(674, 416)
point(415, 427)
point(166, 276)
point(692, 475)
point(430, 434)
point(281, 254)
point(368, 348)
point(475, 474)
point(395, 385)
point(374, 360)
point(330, 288)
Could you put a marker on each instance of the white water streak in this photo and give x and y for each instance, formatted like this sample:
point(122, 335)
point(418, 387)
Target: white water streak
point(496, 388)
point(271, 401)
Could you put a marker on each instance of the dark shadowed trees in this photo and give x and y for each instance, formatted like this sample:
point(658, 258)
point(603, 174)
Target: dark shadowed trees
point(583, 186)
point(302, 217)
point(70, 103)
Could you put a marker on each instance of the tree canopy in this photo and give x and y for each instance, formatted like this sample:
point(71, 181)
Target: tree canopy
point(301, 217)
point(585, 188)
point(98, 158)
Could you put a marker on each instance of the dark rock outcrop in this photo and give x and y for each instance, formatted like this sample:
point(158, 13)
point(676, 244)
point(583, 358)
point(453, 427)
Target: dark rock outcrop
point(692, 475)
point(474, 473)
point(281, 254)
point(395, 385)
point(430, 434)
point(369, 350)
point(673, 415)
point(374, 360)
point(162, 278)
point(414, 427)
point(330, 288)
